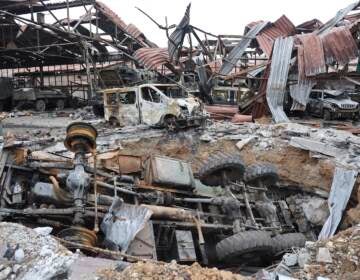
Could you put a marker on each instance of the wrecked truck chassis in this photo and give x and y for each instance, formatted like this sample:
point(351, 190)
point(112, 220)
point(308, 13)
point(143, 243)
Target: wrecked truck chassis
point(167, 218)
point(189, 221)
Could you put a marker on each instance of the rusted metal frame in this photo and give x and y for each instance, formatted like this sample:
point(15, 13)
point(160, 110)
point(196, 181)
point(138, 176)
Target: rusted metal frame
point(51, 13)
point(191, 46)
point(202, 31)
point(67, 14)
point(82, 18)
point(202, 44)
point(50, 212)
point(113, 254)
point(80, 36)
point(157, 24)
point(97, 22)
point(193, 225)
point(31, 10)
point(216, 48)
point(53, 6)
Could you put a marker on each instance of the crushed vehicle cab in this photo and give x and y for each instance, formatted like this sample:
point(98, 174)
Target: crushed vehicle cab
point(166, 105)
point(332, 104)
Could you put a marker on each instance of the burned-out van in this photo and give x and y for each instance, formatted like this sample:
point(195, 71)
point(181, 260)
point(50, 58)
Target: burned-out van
point(166, 105)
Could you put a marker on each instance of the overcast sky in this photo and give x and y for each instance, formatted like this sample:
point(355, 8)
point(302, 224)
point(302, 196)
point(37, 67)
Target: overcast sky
point(221, 17)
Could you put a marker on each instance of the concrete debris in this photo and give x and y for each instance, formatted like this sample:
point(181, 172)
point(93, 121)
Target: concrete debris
point(30, 260)
point(336, 258)
point(171, 270)
point(323, 256)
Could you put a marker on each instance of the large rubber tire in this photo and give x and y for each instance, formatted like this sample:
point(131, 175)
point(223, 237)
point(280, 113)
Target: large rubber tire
point(283, 242)
point(244, 243)
point(60, 104)
point(98, 110)
point(171, 124)
point(327, 115)
point(266, 173)
point(40, 105)
point(210, 173)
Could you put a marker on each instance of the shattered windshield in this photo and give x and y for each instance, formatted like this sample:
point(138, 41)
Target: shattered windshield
point(338, 97)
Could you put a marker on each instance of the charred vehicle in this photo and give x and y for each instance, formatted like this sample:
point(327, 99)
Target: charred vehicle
point(40, 99)
point(332, 104)
point(156, 207)
point(164, 105)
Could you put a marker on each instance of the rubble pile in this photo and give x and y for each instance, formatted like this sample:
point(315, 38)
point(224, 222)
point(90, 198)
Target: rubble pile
point(31, 254)
point(335, 258)
point(168, 271)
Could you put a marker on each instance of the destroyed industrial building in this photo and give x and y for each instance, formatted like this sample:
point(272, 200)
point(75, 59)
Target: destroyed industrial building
point(216, 157)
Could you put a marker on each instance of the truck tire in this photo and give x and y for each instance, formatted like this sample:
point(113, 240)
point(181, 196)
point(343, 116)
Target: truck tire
point(60, 104)
point(211, 172)
point(98, 110)
point(40, 105)
point(170, 123)
point(266, 173)
point(247, 242)
point(327, 115)
point(283, 242)
point(114, 122)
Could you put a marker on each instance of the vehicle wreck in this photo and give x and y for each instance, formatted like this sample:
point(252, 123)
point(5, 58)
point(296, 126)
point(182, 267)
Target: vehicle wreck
point(228, 207)
point(163, 105)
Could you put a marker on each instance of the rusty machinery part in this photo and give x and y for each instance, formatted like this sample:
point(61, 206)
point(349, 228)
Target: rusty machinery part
point(80, 133)
point(264, 173)
point(283, 242)
point(79, 235)
point(244, 245)
point(220, 167)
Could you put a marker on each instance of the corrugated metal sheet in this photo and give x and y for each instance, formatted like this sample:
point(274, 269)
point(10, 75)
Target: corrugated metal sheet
point(131, 30)
point(285, 26)
point(300, 94)
point(233, 57)
point(176, 38)
point(134, 32)
point(314, 59)
point(280, 66)
point(259, 103)
point(310, 25)
point(339, 16)
point(266, 43)
point(281, 28)
point(339, 46)
point(152, 58)
point(341, 188)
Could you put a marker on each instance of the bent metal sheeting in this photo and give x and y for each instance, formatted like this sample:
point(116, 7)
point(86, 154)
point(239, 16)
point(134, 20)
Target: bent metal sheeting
point(279, 72)
point(230, 61)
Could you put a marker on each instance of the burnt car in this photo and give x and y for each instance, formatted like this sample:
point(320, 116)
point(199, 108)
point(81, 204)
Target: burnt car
point(156, 207)
point(332, 104)
point(166, 105)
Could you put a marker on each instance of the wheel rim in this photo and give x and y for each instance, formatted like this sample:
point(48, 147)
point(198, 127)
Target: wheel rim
point(40, 105)
point(170, 124)
point(60, 104)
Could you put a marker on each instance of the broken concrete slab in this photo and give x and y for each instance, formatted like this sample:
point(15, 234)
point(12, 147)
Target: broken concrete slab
point(315, 146)
point(323, 255)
